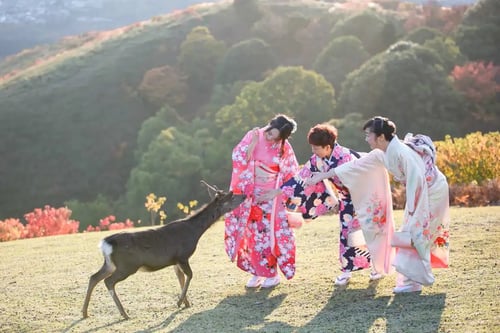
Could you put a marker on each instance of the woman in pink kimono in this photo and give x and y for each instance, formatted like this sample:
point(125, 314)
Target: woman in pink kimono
point(427, 204)
point(257, 234)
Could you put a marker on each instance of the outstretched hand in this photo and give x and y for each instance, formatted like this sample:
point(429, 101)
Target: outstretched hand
point(315, 178)
point(268, 195)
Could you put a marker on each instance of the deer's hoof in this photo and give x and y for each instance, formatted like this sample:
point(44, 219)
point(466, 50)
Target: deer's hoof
point(185, 301)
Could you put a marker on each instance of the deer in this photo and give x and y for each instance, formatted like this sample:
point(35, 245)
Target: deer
point(150, 250)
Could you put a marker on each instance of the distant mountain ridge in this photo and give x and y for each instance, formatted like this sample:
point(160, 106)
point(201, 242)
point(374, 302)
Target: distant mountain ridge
point(27, 23)
point(446, 3)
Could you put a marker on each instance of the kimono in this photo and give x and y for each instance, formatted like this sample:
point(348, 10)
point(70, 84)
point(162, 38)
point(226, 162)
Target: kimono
point(257, 235)
point(426, 214)
point(318, 199)
point(368, 183)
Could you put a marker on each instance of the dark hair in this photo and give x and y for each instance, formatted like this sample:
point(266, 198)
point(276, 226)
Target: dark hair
point(381, 125)
point(285, 125)
point(322, 135)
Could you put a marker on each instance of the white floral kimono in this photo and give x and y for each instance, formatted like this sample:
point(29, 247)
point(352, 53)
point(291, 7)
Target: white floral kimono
point(368, 183)
point(426, 212)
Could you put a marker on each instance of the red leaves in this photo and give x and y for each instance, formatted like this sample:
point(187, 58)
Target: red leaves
point(51, 221)
point(108, 223)
point(477, 81)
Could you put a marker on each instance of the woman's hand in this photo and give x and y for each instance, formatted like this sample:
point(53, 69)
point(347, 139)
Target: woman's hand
point(268, 195)
point(316, 178)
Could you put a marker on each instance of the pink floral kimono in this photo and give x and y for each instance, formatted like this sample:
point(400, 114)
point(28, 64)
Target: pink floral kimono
point(258, 236)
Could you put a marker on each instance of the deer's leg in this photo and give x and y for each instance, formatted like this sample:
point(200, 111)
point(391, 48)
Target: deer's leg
point(105, 271)
point(110, 283)
point(186, 269)
point(180, 275)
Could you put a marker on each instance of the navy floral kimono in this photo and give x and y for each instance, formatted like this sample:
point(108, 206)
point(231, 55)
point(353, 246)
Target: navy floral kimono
point(318, 199)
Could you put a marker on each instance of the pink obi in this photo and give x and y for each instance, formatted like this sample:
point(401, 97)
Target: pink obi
point(265, 173)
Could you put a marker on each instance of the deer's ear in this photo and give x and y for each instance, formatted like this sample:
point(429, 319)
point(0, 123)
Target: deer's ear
point(211, 193)
point(211, 190)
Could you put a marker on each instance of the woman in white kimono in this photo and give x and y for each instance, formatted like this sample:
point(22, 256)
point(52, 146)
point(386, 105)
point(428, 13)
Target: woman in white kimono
point(427, 199)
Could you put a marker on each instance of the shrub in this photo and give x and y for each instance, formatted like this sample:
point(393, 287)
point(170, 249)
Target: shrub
point(11, 229)
point(469, 159)
point(88, 213)
point(474, 195)
point(50, 221)
point(108, 223)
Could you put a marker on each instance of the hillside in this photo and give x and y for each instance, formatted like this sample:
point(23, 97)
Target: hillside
point(60, 109)
point(25, 24)
point(71, 112)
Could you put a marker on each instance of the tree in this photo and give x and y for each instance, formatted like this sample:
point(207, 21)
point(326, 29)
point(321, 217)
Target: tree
point(248, 11)
point(340, 57)
point(153, 126)
point(302, 94)
point(246, 60)
point(407, 83)
point(199, 56)
point(447, 50)
point(422, 34)
point(170, 167)
point(375, 32)
point(350, 131)
point(163, 85)
point(479, 34)
point(478, 82)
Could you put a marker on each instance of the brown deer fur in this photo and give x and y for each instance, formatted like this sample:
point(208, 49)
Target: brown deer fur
point(153, 249)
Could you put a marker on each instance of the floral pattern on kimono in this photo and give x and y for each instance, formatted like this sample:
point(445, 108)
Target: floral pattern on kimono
point(258, 236)
point(315, 200)
point(368, 183)
point(425, 216)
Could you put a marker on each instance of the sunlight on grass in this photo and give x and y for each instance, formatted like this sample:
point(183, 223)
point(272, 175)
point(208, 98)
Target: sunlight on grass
point(44, 281)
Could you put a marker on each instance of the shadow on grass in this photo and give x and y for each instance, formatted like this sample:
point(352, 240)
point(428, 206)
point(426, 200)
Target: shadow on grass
point(94, 329)
point(360, 310)
point(237, 313)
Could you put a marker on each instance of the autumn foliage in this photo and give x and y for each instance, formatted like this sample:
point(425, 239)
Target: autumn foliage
point(471, 168)
point(477, 81)
point(51, 221)
point(108, 223)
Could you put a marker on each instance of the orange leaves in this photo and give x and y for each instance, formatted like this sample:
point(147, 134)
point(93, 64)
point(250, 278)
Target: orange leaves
point(164, 85)
point(11, 229)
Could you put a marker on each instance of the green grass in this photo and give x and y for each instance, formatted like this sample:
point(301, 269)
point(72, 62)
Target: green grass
point(44, 280)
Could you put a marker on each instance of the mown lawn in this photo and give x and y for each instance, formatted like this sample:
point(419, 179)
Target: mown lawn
point(44, 280)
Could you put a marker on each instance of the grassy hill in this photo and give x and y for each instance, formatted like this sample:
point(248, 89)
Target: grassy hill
point(74, 113)
point(45, 281)
point(70, 112)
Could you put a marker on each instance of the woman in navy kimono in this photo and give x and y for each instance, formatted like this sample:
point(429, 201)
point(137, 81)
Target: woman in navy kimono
point(320, 198)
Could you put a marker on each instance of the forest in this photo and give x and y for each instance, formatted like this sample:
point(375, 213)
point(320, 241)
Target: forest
point(98, 121)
